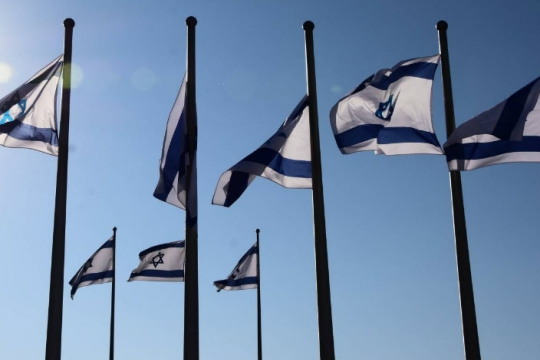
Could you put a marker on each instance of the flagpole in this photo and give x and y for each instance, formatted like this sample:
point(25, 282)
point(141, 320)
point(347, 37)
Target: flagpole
point(111, 342)
point(466, 295)
point(326, 336)
point(259, 330)
point(53, 349)
point(191, 276)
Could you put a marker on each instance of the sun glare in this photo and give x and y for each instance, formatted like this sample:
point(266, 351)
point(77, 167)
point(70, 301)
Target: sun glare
point(5, 73)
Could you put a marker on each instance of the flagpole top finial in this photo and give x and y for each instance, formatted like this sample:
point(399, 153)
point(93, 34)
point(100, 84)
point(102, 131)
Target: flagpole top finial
point(257, 231)
point(114, 229)
point(442, 25)
point(69, 22)
point(191, 21)
point(308, 25)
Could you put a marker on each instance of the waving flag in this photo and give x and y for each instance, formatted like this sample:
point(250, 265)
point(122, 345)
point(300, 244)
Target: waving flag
point(28, 114)
point(285, 159)
point(96, 270)
point(244, 276)
point(163, 262)
point(508, 132)
point(389, 112)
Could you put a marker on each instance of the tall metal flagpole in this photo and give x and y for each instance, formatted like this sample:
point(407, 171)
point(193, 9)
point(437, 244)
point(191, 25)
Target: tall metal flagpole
point(53, 349)
point(466, 295)
point(259, 330)
point(326, 334)
point(111, 341)
point(191, 276)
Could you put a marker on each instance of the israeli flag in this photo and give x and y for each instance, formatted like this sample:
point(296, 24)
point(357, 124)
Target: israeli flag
point(163, 262)
point(28, 114)
point(508, 132)
point(245, 275)
point(96, 270)
point(389, 112)
point(172, 184)
point(285, 159)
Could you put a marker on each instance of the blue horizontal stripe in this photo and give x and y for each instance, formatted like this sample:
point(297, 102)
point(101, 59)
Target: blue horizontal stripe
point(477, 151)
point(174, 244)
point(422, 70)
point(159, 273)
point(238, 183)
point(96, 276)
point(24, 132)
point(108, 244)
point(396, 135)
point(249, 280)
point(284, 166)
point(357, 135)
point(298, 109)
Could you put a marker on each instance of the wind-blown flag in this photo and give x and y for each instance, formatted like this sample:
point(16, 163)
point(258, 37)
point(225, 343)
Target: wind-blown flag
point(389, 112)
point(508, 132)
point(163, 262)
point(244, 276)
point(172, 184)
point(96, 270)
point(28, 114)
point(285, 159)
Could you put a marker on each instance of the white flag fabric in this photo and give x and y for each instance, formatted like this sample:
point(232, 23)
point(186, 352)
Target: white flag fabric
point(508, 132)
point(245, 275)
point(172, 184)
point(389, 112)
point(163, 262)
point(28, 114)
point(96, 270)
point(285, 159)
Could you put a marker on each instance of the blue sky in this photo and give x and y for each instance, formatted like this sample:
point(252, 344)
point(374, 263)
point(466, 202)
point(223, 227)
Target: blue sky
point(389, 222)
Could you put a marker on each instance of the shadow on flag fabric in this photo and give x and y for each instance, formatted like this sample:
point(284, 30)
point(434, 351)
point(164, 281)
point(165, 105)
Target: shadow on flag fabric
point(172, 184)
point(163, 262)
point(244, 276)
point(28, 114)
point(96, 270)
point(389, 112)
point(508, 132)
point(285, 159)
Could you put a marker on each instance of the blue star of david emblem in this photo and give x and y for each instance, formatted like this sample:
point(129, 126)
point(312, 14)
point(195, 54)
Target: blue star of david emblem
point(158, 259)
point(87, 265)
point(388, 107)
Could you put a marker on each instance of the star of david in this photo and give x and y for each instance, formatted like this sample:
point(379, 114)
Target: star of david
point(158, 259)
point(87, 265)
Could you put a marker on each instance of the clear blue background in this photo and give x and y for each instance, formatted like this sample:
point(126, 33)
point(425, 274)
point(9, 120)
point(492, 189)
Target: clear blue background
point(389, 221)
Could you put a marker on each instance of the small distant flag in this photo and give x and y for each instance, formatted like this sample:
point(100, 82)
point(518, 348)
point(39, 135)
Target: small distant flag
point(163, 262)
point(389, 112)
point(28, 114)
point(508, 132)
point(244, 276)
point(96, 270)
point(285, 159)
point(172, 184)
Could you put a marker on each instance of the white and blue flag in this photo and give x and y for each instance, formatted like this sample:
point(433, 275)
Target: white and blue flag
point(508, 132)
point(285, 159)
point(245, 274)
point(172, 184)
point(163, 262)
point(28, 114)
point(389, 112)
point(96, 270)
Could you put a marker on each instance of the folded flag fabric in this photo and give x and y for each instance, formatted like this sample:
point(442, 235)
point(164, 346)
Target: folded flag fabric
point(508, 132)
point(285, 159)
point(96, 270)
point(172, 184)
point(389, 112)
point(163, 262)
point(28, 114)
point(245, 275)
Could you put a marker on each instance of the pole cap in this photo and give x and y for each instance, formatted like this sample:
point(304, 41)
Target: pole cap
point(191, 21)
point(442, 25)
point(114, 229)
point(69, 23)
point(308, 25)
point(257, 231)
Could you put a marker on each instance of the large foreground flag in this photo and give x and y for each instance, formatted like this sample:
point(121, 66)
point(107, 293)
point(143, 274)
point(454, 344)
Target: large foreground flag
point(285, 159)
point(508, 132)
point(389, 112)
point(244, 276)
point(163, 262)
point(172, 184)
point(96, 270)
point(28, 114)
